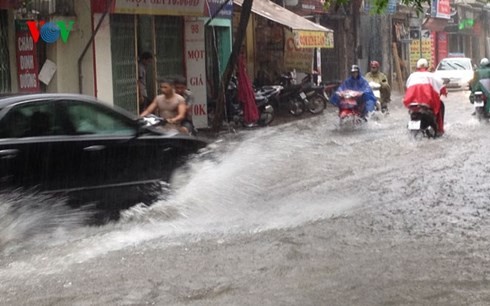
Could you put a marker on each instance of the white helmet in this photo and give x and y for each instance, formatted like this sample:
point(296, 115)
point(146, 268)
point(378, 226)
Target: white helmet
point(484, 62)
point(422, 63)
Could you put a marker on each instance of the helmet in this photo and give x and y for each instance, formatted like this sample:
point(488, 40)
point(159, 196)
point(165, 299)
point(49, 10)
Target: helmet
point(375, 64)
point(422, 63)
point(484, 62)
point(354, 68)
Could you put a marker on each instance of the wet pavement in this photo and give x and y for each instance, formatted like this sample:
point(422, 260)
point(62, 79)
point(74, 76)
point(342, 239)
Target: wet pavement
point(301, 213)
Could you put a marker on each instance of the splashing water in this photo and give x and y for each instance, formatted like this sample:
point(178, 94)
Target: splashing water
point(25, 215)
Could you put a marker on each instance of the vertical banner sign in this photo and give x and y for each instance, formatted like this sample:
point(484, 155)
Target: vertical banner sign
point(196, 70)
point(426, 47)
point(27, 62)
point(415, 51)
point(440, 40)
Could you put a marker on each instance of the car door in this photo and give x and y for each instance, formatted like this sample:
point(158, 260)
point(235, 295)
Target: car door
point(26, 134)
point(103, 147)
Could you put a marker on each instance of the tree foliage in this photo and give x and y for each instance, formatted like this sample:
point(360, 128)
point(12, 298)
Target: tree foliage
point(379, 6)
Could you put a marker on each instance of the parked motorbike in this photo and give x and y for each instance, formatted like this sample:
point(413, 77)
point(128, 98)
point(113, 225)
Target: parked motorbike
point(316, 101)
point(330, 88)
point(350, 108)
point(291, 96)
point(234, 107)
point(422, 120)
point(301, 97)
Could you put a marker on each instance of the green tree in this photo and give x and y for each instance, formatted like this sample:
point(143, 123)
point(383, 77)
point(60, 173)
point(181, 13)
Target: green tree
point(379, 6)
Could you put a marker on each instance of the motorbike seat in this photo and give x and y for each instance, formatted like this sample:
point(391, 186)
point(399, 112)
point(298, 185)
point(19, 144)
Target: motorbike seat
point(417, 104)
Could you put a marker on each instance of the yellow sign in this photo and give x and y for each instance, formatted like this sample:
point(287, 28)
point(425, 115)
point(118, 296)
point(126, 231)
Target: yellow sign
point(313, 39)
point(300, 59)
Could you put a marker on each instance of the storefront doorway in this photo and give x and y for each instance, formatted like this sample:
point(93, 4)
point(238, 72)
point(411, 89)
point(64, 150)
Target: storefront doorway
point(131, 35)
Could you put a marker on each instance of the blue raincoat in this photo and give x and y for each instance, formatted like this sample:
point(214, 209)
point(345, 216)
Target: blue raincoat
point(358, 84)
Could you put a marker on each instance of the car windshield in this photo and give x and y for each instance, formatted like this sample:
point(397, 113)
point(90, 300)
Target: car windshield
point(454, 65)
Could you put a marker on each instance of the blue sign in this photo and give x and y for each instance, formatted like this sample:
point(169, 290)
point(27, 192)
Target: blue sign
point(213, 8)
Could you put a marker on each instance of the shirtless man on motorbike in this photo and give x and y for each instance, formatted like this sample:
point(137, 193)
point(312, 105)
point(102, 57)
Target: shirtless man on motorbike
point(170, 105)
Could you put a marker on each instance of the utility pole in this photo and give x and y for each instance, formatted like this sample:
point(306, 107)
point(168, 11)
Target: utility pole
point(232, 61)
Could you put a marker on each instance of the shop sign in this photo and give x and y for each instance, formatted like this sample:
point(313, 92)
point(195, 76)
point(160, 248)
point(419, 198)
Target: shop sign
point(300, 59)
point(27, 61)
point(213, 8)
point(420, 46)
point(313, 39)
point(441, 9)
point(160, 7)
point(195, 59)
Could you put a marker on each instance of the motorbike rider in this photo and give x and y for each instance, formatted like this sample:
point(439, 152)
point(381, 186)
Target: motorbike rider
point(481, 74)
point(180, 85)
point(374, 75)
point(356, 82)
point(170, 106)
point(424, 86)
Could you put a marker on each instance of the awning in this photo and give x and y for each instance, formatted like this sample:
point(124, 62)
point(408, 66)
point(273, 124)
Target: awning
point(307, 34)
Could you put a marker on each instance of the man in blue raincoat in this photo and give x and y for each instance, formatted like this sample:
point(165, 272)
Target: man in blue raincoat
point(358, 83)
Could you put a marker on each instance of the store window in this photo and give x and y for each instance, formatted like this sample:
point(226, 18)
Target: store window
point(131, 35)
point(124, 61)
point(169, 46)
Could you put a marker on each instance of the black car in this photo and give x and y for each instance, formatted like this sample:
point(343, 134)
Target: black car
point(77, 146)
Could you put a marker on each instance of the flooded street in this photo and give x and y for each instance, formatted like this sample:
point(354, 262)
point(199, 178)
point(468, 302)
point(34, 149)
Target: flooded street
point(296, 214)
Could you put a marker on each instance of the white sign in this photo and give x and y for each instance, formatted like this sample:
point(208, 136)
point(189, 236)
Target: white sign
point(160, 7)
point(195, 58)
point(47, 72)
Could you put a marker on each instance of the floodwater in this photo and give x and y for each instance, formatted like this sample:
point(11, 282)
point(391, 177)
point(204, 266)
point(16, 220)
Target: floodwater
point(353, 210)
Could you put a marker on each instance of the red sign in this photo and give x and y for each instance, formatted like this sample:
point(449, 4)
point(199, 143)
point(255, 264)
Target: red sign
point(441, 9)
point(442, 49)
point(27, 62)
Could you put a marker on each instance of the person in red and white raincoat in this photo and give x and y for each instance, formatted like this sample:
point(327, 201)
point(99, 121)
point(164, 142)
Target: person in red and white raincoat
point(425, 87)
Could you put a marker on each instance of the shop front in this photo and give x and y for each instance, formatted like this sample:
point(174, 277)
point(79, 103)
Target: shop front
point(174, 33)
point(279, 41)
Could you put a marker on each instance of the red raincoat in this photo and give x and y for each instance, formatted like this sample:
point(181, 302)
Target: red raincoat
point(246, 94)
point(424, 87)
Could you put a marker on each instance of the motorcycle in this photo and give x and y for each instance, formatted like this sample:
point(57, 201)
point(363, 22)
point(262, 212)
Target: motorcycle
point(480, 98)
point(316, 100)
point(292, 95)
point(234, 107)
point(375, 86)
point(157, 122)
point(422, 120)
point(330, 88)
point(350, 108)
